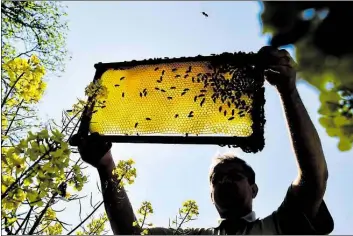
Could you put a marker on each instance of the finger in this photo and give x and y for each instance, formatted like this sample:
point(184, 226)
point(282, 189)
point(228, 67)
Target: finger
point(285, 61)
point(283, 53)
point(267, 51)
point(271, 74)
point(279, 68)
point(272, 71)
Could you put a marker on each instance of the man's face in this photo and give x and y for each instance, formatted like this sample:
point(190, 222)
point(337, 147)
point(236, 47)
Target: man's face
point(231, 191)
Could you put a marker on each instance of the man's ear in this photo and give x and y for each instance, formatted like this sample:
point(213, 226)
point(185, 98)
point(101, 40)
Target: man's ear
point(254, 189)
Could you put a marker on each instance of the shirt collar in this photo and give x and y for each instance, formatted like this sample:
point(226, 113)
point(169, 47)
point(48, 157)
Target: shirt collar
point(251, 217)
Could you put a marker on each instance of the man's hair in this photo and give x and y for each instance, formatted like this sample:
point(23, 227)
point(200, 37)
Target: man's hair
point(229, 158)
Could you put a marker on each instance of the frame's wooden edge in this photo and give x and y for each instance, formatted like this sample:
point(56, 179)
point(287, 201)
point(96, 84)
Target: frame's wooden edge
point(216, 140)
point(240, 57)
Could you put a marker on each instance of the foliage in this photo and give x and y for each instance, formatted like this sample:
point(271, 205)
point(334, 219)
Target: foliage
point(34, 27)
point(22, 86)
point(324, 54)
point(187, 213)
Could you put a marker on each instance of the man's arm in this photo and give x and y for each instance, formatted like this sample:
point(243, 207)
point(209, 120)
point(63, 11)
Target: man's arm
point(303, 210)
point(96, 152)
point(310, 184)
point(116, 201)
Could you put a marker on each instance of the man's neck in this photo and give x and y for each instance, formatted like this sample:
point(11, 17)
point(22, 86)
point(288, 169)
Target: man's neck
point(249, 214)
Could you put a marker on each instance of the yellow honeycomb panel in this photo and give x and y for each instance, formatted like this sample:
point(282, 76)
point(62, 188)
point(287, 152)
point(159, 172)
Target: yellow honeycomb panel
point(175, 98)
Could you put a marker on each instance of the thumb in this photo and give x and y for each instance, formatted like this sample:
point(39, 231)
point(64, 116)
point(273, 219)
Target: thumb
point(271, 75)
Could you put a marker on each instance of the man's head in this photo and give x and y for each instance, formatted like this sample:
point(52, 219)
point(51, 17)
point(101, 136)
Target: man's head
point(233, 186)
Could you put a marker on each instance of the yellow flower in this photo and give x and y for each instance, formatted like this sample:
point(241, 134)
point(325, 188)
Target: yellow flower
point(34, 59)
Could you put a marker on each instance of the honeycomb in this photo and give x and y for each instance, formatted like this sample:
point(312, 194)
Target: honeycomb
point(190, 98)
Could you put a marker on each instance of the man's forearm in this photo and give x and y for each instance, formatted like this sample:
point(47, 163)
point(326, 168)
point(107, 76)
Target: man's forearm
point(305, 140)
point(117, 204)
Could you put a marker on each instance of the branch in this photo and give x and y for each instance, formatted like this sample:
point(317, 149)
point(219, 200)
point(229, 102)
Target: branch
point(24, 173)
point(24, 221)
point(82, 222)
point(97, 227)
point(12, 87)
point(13, 119)
point(181, 223)
point(37, 222)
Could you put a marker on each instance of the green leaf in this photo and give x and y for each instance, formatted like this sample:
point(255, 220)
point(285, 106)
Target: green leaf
point(327, 122)
point(344, 145)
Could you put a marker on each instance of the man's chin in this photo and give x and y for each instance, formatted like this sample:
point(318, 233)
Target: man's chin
point(230, 207)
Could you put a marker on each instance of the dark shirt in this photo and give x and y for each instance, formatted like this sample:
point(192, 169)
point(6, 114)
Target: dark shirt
point(287, 219)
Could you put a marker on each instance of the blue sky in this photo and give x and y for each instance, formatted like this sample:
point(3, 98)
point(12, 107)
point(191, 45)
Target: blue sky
point(170, 174)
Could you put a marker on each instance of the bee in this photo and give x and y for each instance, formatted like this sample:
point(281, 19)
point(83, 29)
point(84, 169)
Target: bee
point(148, 118)
point(231, 118)
point(183, 93)
point(155, 69)
point(173, 87)
point(203, 91)
point(176, 116)
point(186, 89)
point(117, 85)
point(122, 78)
point(202, 101)
point(170, 98)
point(123, 94)
point(177, 76)
point(175, 69)
point(156, 88)
point(191, 114)
point(205, 14)
point(162, 90)
point(220, 109)
point(140, 94)
point(233, 112)
point(195, 98)
point(163, 72)
point(136, 124)
point(225, 113)
point(185, 76)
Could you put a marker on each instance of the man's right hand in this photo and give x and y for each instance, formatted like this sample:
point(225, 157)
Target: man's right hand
point(95, 151)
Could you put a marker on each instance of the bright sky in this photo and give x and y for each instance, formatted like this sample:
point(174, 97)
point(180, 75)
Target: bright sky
point(170, 174)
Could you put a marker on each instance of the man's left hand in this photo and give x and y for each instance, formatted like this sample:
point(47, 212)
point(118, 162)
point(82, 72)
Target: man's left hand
point(279, 68)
